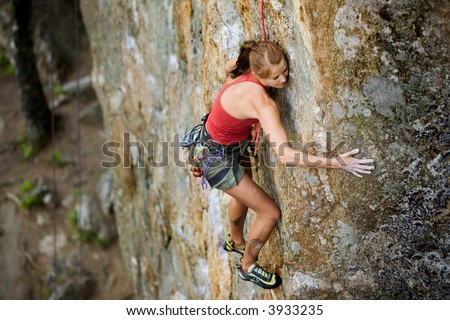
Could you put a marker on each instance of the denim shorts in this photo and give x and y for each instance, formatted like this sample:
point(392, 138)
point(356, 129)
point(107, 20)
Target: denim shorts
point(220, 173)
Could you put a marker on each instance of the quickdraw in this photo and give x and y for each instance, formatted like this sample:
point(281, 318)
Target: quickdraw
point(196, 170)
point(217, 155)
point(205, 153)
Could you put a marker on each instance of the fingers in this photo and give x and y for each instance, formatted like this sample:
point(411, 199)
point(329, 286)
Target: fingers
point(355, 166)
point(352, 153)
point(357, 170)
point(349, 154)
point(366, 160)
point(365, 167)
point(364, 171)
point(356, 174)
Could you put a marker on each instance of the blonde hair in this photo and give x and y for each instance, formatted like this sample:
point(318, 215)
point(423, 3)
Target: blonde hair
point(259, 57)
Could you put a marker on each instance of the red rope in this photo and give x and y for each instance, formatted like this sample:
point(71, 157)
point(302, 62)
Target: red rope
point(263, 27)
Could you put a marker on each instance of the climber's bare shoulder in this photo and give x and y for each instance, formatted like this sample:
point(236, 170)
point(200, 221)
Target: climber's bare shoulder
point(240, 100)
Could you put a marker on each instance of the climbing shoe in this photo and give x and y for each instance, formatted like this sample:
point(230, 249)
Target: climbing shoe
point(228, 245)
point(259, 276)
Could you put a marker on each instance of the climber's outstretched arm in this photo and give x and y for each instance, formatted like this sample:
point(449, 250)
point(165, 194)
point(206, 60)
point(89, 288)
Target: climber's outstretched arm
point(269, 116)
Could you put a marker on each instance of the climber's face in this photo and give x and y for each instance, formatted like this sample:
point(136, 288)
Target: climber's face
point(278, 77)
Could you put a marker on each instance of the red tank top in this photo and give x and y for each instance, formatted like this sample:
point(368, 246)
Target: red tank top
point(223, 127)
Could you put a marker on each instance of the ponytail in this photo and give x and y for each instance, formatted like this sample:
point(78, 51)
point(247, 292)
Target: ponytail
point(243, 61)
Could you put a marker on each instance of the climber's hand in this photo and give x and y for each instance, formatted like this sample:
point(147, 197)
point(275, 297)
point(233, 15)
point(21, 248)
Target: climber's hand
point(353, 165)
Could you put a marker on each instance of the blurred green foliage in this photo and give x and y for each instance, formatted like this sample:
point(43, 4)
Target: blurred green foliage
point(27, 148)
point(28, 196)
point(85, 236)
point(5, 66)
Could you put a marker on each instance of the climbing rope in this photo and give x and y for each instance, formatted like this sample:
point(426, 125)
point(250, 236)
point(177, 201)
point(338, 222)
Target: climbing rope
point(263, 26)
point(54, 213)
point(77, 62)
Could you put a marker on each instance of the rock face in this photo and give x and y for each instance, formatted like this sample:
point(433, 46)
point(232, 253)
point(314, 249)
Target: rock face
point(368, 74)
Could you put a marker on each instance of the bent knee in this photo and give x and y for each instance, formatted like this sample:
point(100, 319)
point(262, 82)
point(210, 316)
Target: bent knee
point(274, 215)
point(277, 214)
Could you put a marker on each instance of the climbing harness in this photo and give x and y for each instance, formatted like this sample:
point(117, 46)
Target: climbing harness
point(189, 141)
point(198, 135)
point(210, 151)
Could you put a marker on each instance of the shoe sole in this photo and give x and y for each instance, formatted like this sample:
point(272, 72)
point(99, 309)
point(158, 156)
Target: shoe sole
point(228, 249)
point(257, 281)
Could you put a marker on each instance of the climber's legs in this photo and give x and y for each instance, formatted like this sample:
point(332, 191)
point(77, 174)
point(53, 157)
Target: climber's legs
point(237, 212)
point(248, 194)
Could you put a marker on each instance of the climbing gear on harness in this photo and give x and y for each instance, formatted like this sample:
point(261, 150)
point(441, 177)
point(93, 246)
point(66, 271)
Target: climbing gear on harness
point(193, 136)
point(212, 153)
point(197, 172)
point(260, 276)
point(190, 139)
point(216, 154)
point(228, 246)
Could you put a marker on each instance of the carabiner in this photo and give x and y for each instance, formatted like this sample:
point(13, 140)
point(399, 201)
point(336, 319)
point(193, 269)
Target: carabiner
point(197, 171)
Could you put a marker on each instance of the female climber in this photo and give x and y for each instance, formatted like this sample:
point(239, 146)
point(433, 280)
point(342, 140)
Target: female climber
point(242, 107)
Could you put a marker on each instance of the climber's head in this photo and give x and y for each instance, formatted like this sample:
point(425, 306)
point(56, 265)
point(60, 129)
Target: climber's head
point(266, 60)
